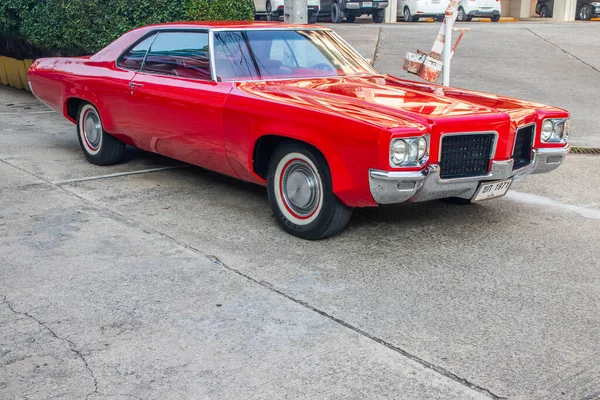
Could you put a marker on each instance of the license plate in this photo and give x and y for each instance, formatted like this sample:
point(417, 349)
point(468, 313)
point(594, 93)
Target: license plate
point(492, 189)
point(367, 4)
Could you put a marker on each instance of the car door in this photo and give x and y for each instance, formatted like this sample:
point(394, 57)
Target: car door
point(176, 108)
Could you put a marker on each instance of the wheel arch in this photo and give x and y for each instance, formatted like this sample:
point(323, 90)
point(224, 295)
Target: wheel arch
point(72, 105)
point(342, 180)
point(265, 146)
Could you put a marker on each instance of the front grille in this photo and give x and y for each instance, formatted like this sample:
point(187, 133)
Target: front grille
point(465, 155)
point(523, 141)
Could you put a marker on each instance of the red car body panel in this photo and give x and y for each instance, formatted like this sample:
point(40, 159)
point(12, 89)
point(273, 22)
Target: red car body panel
point(216, 125)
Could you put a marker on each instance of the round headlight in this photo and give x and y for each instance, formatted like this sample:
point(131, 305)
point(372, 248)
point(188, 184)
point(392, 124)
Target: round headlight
point(547, 130)
point(559, 130)
point(398, 151)
point(422, 147)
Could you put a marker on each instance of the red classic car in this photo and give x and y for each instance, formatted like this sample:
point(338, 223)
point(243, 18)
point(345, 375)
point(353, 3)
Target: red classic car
point(298, 110)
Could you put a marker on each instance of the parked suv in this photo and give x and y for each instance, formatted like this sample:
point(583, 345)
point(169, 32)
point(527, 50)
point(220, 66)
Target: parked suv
point(351, 9)
point(413, 10)
point(479, 8)
point(586, 9)
point(273, 9)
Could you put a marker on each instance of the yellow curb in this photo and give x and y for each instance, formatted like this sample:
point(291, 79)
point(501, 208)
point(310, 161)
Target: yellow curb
point(13, 72)
point(503, 19)
point(595, 19)
point(3, 75)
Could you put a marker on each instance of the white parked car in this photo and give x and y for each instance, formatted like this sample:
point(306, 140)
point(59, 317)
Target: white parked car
point(479, 8)
point(412, 10)
point(273, 9)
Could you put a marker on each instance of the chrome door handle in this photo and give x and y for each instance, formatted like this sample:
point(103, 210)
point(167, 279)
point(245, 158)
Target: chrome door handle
point(134, 85)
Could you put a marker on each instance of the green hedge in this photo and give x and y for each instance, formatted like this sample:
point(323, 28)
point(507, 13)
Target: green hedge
point(76, 27)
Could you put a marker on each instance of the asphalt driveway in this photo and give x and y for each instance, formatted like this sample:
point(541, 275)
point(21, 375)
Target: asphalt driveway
point(153, 279)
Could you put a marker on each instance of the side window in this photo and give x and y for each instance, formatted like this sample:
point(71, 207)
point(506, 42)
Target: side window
point(183, 54)
point(134, 58)
point(232, 57)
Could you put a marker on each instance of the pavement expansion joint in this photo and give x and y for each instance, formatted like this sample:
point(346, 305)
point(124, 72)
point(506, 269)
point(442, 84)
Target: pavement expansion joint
point(72, 345)
point(119, 174)
point(564, 51)
point(424, 363)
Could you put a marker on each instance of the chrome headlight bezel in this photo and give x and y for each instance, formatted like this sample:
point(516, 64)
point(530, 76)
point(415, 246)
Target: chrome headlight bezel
point(560, 130)
point(413, 157)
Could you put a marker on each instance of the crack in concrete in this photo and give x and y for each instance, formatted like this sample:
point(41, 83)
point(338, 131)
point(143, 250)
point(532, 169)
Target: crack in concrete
point(564, 51)
point(72, 345)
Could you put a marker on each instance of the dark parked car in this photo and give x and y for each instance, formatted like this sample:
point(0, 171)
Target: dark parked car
point(349, 9)
point(586, 9)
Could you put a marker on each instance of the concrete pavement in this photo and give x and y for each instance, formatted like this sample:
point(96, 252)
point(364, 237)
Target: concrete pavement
point(152, 279)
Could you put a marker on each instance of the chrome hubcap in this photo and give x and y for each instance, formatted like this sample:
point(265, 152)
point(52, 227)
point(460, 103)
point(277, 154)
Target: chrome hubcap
point(406, 15)
point(300, 187)
point(92, 129)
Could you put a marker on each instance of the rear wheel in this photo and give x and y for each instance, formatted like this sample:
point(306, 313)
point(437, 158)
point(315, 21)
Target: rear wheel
point(378, 16)
point(350, 18)
point(301, 194)
point(585, 12)
point(495, 18)
point(336, 13)
point(99, 147)
point(312, 19)
point(544, 12)
point(407, 15)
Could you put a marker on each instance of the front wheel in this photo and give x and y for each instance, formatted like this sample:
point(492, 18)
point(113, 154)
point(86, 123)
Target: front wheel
point(301, 194)
point(99, 147)
point(312, 18)
point(378, 16)
point(544, 12)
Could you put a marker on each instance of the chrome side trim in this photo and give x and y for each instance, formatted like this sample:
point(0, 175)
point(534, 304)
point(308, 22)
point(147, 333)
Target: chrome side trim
point(211, 54)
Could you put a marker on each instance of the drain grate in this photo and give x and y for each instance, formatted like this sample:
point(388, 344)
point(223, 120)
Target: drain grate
point(584, 150)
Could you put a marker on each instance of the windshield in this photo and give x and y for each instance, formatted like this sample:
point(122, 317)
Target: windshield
point(277, 54)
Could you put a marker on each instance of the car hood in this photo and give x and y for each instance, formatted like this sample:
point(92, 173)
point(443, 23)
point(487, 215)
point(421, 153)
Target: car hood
point(387, 101)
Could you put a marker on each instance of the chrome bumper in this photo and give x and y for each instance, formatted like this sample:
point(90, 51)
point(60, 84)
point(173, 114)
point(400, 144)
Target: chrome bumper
point(397, 187)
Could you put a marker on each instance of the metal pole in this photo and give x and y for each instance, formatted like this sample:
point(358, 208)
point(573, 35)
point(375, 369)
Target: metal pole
point(449, 22)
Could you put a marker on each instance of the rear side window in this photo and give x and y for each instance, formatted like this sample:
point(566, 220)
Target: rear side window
point(134, 58)
point(182, 54)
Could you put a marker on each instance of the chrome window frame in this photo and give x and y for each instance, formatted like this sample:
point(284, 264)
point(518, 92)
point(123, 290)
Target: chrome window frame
point(157, 32)
point(211, 49)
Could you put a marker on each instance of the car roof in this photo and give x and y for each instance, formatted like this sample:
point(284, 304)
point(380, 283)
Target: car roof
point(234, 25)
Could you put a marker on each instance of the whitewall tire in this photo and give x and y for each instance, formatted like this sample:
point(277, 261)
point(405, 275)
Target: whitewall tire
point(300, 193)
point(99, 147)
